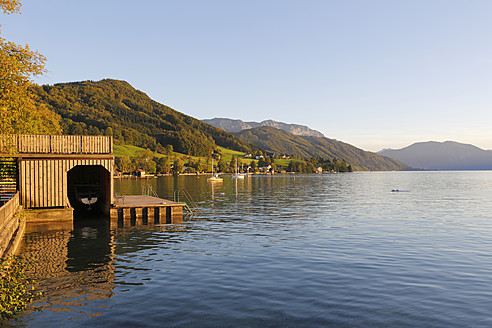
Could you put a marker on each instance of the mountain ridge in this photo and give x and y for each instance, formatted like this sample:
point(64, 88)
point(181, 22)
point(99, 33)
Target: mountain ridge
point(447, 155)
point(284, 143)
point(235, 125)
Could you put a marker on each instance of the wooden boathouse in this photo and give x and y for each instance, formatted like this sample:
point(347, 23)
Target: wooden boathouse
point(42, 173)
point(50, 168)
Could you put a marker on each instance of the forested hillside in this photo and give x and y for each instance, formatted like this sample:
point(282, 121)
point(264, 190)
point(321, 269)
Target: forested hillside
point(115, 108)
point(281, 142)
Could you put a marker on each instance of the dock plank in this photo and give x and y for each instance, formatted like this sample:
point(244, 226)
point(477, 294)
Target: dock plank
point(143, 201)
point(135, 210)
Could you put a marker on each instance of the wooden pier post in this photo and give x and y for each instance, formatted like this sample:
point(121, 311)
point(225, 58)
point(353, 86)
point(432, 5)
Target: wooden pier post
point(139, 210)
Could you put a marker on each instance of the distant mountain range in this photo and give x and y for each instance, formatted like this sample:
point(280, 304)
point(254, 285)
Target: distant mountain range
point(231, 125)
point(447, 155)
point(282, 142)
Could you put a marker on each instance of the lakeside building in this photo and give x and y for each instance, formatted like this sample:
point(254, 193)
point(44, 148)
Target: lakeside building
point(51, 169)
point(53, 176)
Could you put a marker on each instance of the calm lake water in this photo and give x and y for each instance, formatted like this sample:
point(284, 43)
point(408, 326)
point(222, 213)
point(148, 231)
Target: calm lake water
point(338, 250)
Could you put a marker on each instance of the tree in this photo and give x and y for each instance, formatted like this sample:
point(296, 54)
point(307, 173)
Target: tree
point(342, 166)
point(169, 149)
point(222, 165)
point(232, 164)
point(10, 6)
point(196, 165)
point(239, 162)
point(127, 137)
point(162, 166)
point(18, 111)
point(253, 166)
point(177, 166)
point(150, 167)
point(123, 163)
point(108, 131)
point(144, 154)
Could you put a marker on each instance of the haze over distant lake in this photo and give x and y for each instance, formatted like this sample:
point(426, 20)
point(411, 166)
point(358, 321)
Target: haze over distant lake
point(288, 250)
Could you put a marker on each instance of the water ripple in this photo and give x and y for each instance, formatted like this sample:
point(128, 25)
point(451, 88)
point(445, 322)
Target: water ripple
point(314, 251)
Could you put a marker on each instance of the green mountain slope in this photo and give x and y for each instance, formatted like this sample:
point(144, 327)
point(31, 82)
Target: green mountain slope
point(115, 108)
point(282, 142)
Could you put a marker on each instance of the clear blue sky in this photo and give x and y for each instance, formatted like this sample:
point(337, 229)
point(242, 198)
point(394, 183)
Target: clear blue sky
point(375, 74)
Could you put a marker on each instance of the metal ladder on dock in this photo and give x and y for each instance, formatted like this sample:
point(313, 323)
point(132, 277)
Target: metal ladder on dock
point(148, 190)
point(194, 210)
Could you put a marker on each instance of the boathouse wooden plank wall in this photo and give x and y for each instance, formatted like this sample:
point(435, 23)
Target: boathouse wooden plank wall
point(57, 144)
point(44, 182)
point(45, 160)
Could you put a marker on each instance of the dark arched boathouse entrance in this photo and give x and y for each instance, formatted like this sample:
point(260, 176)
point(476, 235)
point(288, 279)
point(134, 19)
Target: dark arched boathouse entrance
point(89, 188)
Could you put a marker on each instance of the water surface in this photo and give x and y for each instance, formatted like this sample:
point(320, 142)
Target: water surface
point(338, 250)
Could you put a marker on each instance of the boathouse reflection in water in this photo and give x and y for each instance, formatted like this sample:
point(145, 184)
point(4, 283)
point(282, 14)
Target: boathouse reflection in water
point(75, 263)
point(90, 246)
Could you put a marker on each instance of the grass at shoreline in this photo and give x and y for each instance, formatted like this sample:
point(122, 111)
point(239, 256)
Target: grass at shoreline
point(132, 151)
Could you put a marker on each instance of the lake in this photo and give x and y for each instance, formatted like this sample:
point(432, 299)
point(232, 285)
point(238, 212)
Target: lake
point(338, 250)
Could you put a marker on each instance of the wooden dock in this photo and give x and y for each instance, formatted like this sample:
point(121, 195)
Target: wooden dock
point(136, 210)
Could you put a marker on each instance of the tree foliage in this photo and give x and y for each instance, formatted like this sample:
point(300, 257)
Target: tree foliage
point(10, 6)
point(178, 166)
point(14, 293)
point(123, 163)
point(253, 166)
point(162, 165)
point(310, 165)
point(18, 64)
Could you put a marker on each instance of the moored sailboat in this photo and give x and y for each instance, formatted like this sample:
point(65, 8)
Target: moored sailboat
point(236, 174)
point(215, 177)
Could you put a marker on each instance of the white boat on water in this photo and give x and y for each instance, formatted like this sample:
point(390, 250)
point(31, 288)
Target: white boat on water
point(214, 177)
point(238, 175)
